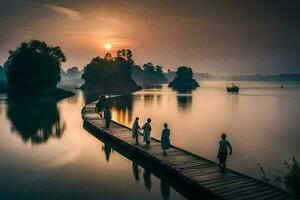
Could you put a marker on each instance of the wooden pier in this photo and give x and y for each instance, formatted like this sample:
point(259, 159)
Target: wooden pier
point(200, 174)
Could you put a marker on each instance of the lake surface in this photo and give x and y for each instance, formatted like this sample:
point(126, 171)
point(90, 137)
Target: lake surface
point(261, 122)
point(45, 153)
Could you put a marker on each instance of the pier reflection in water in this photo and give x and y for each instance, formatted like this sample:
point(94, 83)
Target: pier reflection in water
point(259, 116)
point(46, 154)
point(145, 169)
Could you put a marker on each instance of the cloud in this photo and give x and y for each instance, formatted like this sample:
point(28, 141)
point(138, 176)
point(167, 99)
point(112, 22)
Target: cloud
point(72, 14)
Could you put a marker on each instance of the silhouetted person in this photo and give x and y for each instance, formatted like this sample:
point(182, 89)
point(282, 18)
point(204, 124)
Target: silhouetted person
point(135, 130)
point(99, 105)
point(223, 152)
point(165, 138)
point(107, 117)
point(147, 131)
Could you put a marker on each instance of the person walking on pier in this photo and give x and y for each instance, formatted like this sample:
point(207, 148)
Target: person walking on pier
point(147, 131)
point(165, 138)
point(223, 152)
point(99, 105)
point(107, 116)
point(135, 130)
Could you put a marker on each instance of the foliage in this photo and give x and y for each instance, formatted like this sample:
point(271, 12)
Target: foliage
point(2, 73)
point(184, 72)
point(34, 66)
point(292, 178)
point(110, 72)
point(148, 75)
point(263, 172)
point(184, 79)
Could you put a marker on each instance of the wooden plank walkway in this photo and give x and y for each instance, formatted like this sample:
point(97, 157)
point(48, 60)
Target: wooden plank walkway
point(192, 169)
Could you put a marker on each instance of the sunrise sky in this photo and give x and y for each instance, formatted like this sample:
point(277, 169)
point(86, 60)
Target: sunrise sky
point(220, 37)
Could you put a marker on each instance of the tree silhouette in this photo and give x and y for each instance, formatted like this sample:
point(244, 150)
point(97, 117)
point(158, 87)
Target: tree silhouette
point(184, 80)
point(34, 67)
point(184, 72)
point(148, 75)
point(110, 73)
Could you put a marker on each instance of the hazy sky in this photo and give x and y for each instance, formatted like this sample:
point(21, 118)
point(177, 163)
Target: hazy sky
point(220, 37)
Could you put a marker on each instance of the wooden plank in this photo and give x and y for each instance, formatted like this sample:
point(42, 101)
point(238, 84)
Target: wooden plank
point(211, 177)
point(211, 183)
point(246, 194)
point(228, 182)
point(187, 165)
point(256, 195)
point(230, 185)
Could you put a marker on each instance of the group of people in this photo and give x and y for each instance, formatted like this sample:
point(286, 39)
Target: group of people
point(165, 136)
point(224, 144)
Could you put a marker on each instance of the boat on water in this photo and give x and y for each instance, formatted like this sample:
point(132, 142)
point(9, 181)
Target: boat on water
point(233, 89)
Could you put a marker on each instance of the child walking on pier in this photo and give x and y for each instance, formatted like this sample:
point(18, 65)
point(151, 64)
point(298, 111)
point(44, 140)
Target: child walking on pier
point(223, 152)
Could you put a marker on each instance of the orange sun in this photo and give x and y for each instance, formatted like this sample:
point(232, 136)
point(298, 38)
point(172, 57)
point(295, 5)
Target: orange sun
point(107, 46)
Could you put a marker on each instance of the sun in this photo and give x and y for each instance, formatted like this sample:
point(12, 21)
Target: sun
point(107, 46)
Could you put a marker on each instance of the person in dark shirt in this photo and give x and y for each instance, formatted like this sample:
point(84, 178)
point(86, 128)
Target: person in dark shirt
point(223, 152)
point(107, 116)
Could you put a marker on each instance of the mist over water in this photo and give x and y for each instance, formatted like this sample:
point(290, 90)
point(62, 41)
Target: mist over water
point(45, 152)
point(261, 121)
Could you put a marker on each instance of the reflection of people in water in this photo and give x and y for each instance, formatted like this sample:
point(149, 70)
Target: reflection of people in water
point(107, 116)
point(107, 151)
point(135, 130)
point(147, 131)
point(147, 179)
point(135, 171)
point(35, 119)
point(165, 138)
point(164, 189)
point(223, 152)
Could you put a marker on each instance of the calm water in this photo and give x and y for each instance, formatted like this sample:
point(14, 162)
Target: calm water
point(262, 121)
point(46, 153)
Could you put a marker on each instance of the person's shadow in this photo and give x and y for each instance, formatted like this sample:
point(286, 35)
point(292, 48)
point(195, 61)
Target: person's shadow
point(35, 120)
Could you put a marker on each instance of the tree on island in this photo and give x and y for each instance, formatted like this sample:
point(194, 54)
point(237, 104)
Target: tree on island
point(184, 79)
point(34, 68)
point(148, 75)
point(110, 73)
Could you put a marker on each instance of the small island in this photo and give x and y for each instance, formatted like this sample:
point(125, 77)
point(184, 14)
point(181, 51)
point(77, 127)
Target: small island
point(184, 80)
point(148, 75)
point(33, 69)
point(110, 74)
